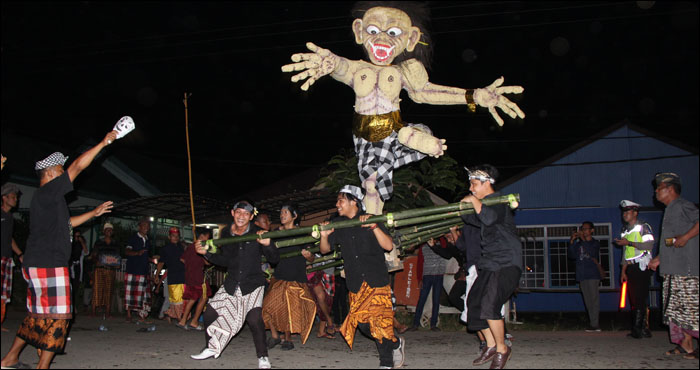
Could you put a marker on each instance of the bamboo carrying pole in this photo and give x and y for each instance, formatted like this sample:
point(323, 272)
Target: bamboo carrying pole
point(189, 166)
point(419, 215)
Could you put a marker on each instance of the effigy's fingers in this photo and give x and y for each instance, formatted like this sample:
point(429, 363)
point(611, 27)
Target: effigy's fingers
point(305, 74)
point(495, 84)
point(509, 90)
point(308, 83)
point(495, 116)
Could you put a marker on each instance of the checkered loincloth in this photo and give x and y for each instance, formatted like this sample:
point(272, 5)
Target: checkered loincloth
point(680, 301)
point(7, 264)
point(137, 295)
point(289, 307)
point(48, 292)
point(383, 157)
point(232, 310)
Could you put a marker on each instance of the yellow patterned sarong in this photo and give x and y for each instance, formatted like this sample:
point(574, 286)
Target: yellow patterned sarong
point(371, 306)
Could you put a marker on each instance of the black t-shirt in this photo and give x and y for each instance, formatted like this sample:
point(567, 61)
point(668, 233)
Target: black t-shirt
point(6, 237)
point(138, 265)
point(362, 255)
point(170, 255)
point(49, 242)
point(291, 268)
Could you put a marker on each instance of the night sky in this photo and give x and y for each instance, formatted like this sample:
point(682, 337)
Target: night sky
point(70, 70)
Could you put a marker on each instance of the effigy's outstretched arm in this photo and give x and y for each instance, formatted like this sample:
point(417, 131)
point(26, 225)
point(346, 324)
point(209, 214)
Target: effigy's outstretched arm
point(421, 90)
point(317, 64)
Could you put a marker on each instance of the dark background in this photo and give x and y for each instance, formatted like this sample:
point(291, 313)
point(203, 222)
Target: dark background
point(70, 70)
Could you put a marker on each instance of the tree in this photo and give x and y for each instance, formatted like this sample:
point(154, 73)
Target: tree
point(442, 176)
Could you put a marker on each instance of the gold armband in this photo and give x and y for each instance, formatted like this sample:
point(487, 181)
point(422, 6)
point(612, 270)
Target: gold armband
point(469, 95)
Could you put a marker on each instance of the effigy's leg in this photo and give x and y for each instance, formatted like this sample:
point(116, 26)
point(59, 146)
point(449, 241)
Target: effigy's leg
point(421, 141)
point(373, 201)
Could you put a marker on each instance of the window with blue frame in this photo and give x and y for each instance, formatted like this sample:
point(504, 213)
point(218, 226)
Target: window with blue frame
point(545, 257)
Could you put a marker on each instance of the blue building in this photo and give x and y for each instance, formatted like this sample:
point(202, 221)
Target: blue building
point(587, 183)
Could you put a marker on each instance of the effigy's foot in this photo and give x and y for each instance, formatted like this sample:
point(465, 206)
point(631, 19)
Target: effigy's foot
point(422, 141)
point(372, 201)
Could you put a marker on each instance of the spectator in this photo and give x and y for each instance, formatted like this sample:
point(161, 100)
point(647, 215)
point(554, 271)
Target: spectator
point(196, 286)
point(288, 306)
point(78, 250)
point(637, 242)
point(586, 251)
point(170, 256)
point(137, 295)
point(45, 265)
point(239, 300)
point(433, 270)
point(678, 263)
point(107, 260)
point(262, 220)
point(10, 194)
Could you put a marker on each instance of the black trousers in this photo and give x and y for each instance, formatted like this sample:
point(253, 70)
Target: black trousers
point(254, 321)
point(340, 301)
point(638, 286)
point(385, 348)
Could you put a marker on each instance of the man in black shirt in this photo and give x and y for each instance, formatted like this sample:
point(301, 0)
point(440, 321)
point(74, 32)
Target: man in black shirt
point(367, 278)
point(499, 267)
point(45, 265)
point(239, 300)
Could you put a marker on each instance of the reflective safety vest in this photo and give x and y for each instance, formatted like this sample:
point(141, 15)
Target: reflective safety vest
point(635, 235)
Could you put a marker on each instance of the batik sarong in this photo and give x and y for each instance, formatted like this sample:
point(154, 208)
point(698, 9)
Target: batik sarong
point(232, 311)
point(289, 307)
point(371, 306)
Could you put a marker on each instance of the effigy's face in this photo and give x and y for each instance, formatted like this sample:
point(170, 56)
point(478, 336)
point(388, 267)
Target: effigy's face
point(385, 33)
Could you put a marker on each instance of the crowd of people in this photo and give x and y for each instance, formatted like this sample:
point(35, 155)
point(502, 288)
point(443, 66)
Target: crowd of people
point(282, 296)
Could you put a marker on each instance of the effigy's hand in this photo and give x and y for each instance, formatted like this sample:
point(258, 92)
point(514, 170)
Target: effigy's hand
point(314, 65)
point(492, 96)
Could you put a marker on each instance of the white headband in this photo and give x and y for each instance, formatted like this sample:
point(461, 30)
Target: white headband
point(480, 175)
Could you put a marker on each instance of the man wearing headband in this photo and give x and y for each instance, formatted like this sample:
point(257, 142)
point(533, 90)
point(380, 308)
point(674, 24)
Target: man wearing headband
point(678, 261)
point(636, 241)
point(499, 267)
point(367, 277)
point(10, 194)
point(48, 251)
point(239, 300)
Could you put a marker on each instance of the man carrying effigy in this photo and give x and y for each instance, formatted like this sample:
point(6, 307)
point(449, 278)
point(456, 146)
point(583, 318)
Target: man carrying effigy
point(367, 277)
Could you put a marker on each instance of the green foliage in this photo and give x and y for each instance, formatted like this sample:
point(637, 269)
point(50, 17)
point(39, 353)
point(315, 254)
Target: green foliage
point(438, 175)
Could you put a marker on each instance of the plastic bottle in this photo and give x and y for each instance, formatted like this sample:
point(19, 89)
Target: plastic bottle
point(102, 328)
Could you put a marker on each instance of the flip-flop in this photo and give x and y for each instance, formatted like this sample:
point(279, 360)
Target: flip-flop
point(18, 365)
point(692, 355)
point(678, 350)
point(326, 335)
point(197, 328)
point(183, 327)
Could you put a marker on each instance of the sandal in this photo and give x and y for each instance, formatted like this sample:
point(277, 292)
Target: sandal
point(183, 327)
point(330, 329)
point(18, 365)
point(197, 328)
point(692, 355)
point(678, 350)
point(326, 335)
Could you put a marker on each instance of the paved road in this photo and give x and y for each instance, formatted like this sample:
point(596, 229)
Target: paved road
point(122, 346)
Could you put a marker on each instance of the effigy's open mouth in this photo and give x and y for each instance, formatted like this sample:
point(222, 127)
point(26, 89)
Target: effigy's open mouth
point(382, 52)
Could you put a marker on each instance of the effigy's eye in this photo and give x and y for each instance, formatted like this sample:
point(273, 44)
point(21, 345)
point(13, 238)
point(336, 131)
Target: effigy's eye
point(394, 31)
point(373, 30)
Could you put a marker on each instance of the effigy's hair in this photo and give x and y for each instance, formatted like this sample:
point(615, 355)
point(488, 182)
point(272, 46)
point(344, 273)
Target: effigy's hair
point(419, 13)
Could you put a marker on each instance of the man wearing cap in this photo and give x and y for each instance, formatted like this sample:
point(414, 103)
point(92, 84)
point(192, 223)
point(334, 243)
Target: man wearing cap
point(678, 263)
point(636, 241)
point(367, 277)
point(107, 259)
point(45, 265)
point(137, 294)
point(499, 267)
point(240, 298)
point(10, 193)
point(170, 256)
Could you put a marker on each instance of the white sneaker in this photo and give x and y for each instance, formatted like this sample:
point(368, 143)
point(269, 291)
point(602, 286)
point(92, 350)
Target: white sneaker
point(264, 363)
point(205, 354)
point(399, 353)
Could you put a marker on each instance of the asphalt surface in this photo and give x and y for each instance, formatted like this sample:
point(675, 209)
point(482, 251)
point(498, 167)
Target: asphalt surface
point(124, 346)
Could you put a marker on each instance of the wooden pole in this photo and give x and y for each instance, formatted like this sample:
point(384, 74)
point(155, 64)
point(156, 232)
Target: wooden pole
point(189, 167)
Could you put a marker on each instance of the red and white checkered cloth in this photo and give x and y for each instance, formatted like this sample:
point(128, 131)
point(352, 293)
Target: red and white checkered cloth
point(137, 295)
point(6, 267)
point(48, 292)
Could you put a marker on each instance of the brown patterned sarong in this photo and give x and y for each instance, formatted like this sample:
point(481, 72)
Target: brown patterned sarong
point(289, 307)
point(102, 287)
point(371, 306)
point(45, 334)
point(680, 301)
